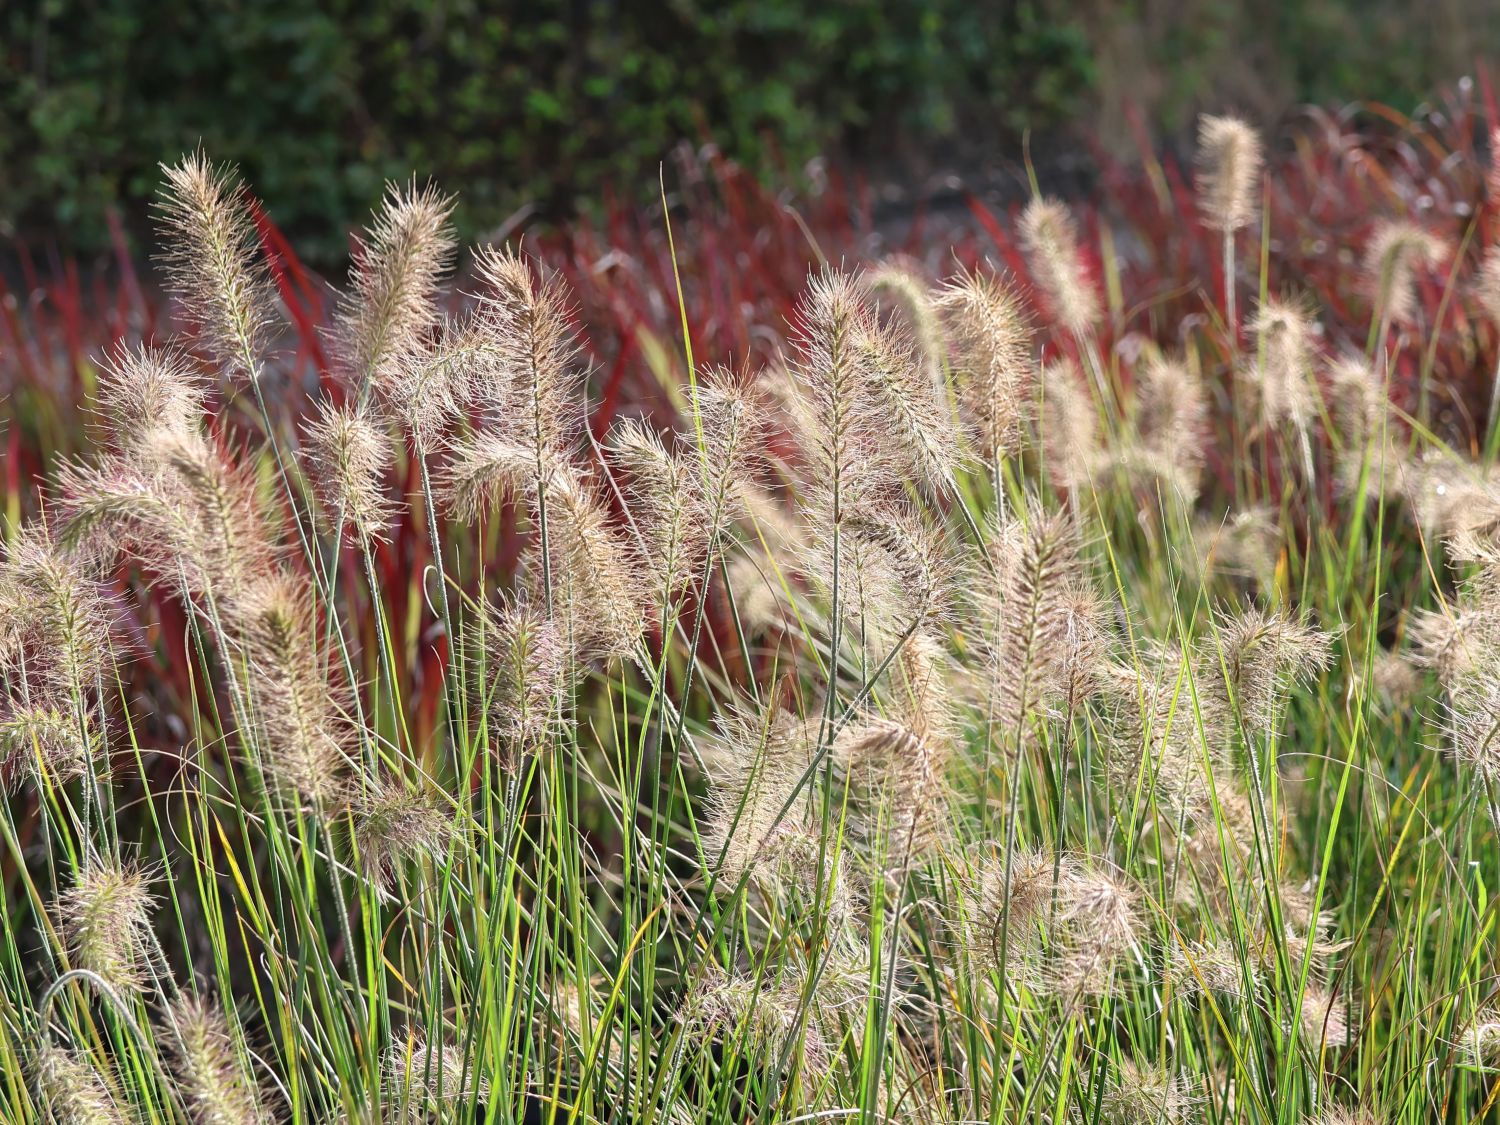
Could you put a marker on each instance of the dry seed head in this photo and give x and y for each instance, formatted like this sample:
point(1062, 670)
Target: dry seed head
point(424, 389)
point(729, 414)
point(1210, 967)
point(904, 282)
point(212, 264)
point(525, 320)
point(830, 383)
point(914, 420)
point(52, 616)
point(391, 307)
point(1009, 896)
point(1138, 1094)
point(1057, 265)
point(73, 1090)
point(1171, 413)
point(1397, 250)
point(1371, 451)
point(422, 1077)
point(351, 454)
point(1282, 371)
point(1487, 284)
point(1070, 424)
point(300, 731)
point(666, 502)
point(767, 751)
point(1245, 544)
point(1325, 1019)
point(106, 920)
point(145, 390)
point(1263, 655)
point(1229, 165)
point(1478, 1040)
point(395, 825)
point(211, 1066)
point(989, 344)
point(42, 740)
point(529, 668)
point(484, 470)
point(901, 774)
point(1339, 1115)
point(593, 576)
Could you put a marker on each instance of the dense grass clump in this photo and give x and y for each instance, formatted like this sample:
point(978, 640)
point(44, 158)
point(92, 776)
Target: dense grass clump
point(976, 713)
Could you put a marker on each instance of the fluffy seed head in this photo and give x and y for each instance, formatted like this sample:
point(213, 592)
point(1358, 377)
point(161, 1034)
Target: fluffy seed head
point(1263, 655)
point(531, 380)
point(423, 1077)
point(904, 283)
point(211, 1067)
point(1070, 425)
point(394, 825)
point(1325, 1019)
point(106, 920)
point(1138, 1094)
point(391, 306)
point(211, 257)
point(73, 1091)
point(1283, 369)
point(593, 575)
point(1057, 265)
point(300, 732)
point(145, 390)
point(989, 345)
point(667, 504)
point(528, 669)
point(39, 740)
point(351, 454)
point(1229, 163)
point(1397, 250)
point(1171, 412)
point(1479, 1039)
point(1487, 284)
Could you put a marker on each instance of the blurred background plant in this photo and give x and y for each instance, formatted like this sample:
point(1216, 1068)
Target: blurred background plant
point(558, 106)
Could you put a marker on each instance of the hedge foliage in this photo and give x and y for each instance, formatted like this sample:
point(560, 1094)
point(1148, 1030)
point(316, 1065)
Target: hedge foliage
point(556, 102)
point(544, 101)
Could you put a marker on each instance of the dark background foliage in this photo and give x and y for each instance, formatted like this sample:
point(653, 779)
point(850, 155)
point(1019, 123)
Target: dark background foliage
point(554, 105)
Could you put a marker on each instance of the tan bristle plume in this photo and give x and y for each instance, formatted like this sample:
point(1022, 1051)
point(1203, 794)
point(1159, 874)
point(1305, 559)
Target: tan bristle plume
point(212, 262)
point(300, 731)
point(211, 1066)
point(1487, 284)
point(899, 772)
point(423, 1077)
point(391, 306)
point(761, 820)
point(1340, 1115)
point(1373, 450)
point(351, 455)
point(485, 469)
point(1229, 163)
point(830, 377)
point(729, 416)
point(1070, 426)
point(665, 498)
point(146, 390)
point(1171, 416)
point(1283, 372)
point(918, 427)
point(1396, 251)
point(1138, 1094)
point(1210, 967)
point(593, 576)
point(903, 282)
point(1009, 893)
point(1057, 265)
point(53, 615)
point(106, 920)
point(990, 347)
point(73, 1091)
point(1325, 1019)
point(1263, 655)
point(1478, 1039)
point(525, 321)
point(395, 825)
point(46, 743)
point(527, 669)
